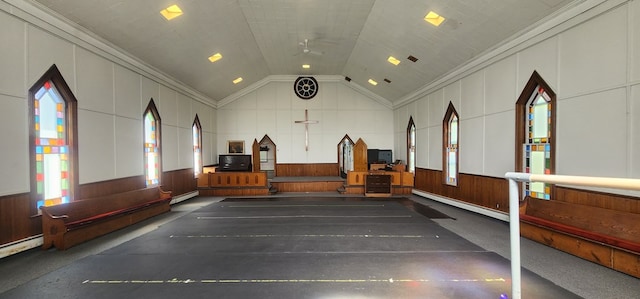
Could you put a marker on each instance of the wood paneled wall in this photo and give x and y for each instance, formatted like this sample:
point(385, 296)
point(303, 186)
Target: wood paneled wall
point(179, 181)
point(489, 192)
point(493, 192)
point(312, 169)
point(17, 223)
point(598, 199)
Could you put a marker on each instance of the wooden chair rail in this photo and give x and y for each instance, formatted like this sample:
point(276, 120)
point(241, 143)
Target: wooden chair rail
point(69, 224)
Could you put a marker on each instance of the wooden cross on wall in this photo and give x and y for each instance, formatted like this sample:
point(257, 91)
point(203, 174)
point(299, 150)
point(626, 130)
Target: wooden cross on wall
point(306, 123)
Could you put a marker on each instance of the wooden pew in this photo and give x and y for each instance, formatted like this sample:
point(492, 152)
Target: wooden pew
point(608, 237)
point(69, 224)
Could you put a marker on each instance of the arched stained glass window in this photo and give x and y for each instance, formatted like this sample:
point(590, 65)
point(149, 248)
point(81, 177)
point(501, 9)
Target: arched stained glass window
point(54, 134)
point(152, 157)
point(411, 146)
point(536, 130)
point(450, 135)
point(196, 130)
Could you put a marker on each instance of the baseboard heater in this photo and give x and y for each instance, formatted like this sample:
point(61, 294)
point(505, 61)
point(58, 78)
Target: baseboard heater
point(20, 245)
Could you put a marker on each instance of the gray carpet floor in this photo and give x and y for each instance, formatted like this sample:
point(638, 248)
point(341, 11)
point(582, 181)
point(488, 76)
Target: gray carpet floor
point(573, 274)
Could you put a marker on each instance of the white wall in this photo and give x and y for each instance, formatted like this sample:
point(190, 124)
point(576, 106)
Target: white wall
point(273, 108)
point(112, 95)
point(591, 61)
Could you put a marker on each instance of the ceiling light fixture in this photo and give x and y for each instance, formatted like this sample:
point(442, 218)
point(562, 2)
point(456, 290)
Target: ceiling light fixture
point(171, 12)
point(373, 82)
point(434, 18)
point(393, 60)
point(215, 57)
point(237, 80)
point(306, 66)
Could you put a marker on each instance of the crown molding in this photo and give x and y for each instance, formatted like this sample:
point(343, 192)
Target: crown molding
point(46, 19)
point(559, 21)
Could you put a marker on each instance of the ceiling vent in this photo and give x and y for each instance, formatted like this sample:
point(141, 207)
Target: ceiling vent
point(412, 58)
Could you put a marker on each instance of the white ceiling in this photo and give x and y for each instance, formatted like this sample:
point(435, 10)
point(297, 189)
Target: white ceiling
point(258, 38)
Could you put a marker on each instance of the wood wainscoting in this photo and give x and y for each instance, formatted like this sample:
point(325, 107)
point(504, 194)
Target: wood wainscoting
point(493, 193)
point(484, 191)
point(311, 169)
point(17, 223)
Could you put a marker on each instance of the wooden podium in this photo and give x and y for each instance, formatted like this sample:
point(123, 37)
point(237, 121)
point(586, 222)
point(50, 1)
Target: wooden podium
point(377, 185)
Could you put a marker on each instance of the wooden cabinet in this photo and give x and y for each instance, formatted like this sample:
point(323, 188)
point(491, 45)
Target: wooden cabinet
point(377, 185)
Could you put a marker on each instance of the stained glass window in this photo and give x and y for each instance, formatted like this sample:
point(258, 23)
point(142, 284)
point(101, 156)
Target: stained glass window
point(537, 146)
point(152, 145)
point(411, 146)
point(53, 142)
point(197, 146)
point(451, 132)
point(51, 149)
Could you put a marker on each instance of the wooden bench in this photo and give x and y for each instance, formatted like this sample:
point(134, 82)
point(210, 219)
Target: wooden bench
point(69, 224)
point(605, 236)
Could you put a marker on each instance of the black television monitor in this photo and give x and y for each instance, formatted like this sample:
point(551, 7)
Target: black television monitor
point(385, 156)
point(378, 156)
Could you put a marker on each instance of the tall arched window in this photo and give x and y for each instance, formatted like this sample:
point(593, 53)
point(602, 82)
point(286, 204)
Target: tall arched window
point(196, 130)
point(535, 125)
point(152, 153)
point(450, 133)
point(411, 146)
point(53, 141)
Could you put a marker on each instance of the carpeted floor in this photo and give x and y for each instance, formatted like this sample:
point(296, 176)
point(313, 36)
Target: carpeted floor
point(288, 248)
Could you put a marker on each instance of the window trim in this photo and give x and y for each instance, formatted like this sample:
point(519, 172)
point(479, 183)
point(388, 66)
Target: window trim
point(71, 123)
point(409, 127)
point(198, 127)
point(151, 108)
point(521, 118)
point(446, 121)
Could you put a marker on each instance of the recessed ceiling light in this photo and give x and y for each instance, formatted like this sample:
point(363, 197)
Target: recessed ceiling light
point(215, 57)
point(171, 12)
point(373, 82)
point(306, 66)
point(434, 18)
point(237, 80)
point(393, 60)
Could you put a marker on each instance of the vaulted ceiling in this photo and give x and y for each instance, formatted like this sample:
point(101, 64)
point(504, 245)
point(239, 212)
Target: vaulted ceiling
point(350, 38)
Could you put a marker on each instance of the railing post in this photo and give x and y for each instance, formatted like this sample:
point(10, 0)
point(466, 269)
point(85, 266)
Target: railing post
point(514, 237)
